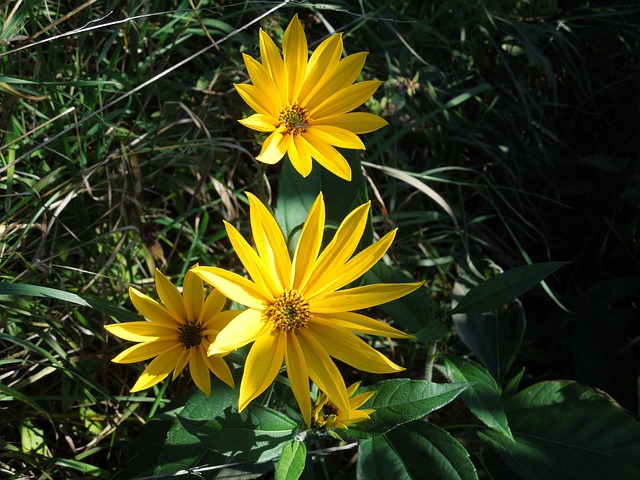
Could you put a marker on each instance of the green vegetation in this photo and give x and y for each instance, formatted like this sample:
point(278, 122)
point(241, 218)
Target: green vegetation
point(512, 140)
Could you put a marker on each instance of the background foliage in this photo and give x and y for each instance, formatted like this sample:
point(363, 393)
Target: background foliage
point(512, 140)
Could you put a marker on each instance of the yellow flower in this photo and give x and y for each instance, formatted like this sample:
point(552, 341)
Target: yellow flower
point(296, 311)
point(177, 333)
point(305, 102)
point(327, 415)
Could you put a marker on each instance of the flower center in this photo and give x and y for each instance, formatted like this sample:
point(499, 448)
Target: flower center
point(190, 334)
point(288, 313)
point(294, 119)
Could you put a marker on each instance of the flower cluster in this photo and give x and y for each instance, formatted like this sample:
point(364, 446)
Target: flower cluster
point(300, 309)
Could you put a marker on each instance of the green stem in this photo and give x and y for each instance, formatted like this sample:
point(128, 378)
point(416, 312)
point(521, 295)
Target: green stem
point(431, 360)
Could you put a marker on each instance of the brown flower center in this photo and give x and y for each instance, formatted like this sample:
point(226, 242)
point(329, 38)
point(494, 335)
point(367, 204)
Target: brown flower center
point(190, 334)
point(294, 118)
point(288, 313)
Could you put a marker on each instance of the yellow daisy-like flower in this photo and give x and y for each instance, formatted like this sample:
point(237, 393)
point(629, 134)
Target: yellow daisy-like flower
point(177, 333)
point(305, 102)
point(296, 311)
point(327, 415)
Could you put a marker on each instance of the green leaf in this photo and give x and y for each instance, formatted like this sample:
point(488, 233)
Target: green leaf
point(414, 311)
point(570, 430)
point(20, 289)
point(505, 287)
point(182, 449)
point(483, 395)
point(291, 462)
point(257, 435)
point(415, 450)
point(402, 400)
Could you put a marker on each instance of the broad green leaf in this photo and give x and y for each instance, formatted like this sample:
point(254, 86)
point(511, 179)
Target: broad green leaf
point(403, 400)
point(415, 450)
point(483, 395)
point(494, 337)
point(505, 287)
point(414, 311)
point(570, 430)
point(182, 449)
point(20, 289)
point(291, 462)
point(257, 435)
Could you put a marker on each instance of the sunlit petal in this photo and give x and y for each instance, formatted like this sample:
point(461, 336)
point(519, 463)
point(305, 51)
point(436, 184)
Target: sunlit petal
point(215, 324)
point(221, 369)
point(295, 54)
point(323, 371)
point(338, 137)
point(300, 158)
point(199, 370)
point(193, 294)
point(270, 242)
point(342, 76)
point(363, 297)
point(262, 366)
point(254, 98)
point(152, 310)
point(272, 60)
point(181, 362)
point(356, 322)
point(170, 297)
point(261, 123)
point(144, 351)
point(309, 243)
point(157, 370)
point(321, 65)
point(356, 122)
point(243, 329)
point(352, 350)
point(298, 377)
point(213, 304)
point(328, 157)
point(234, 286)
point(273, 149)
point(140, 331)
point(345, 100)
point(262, 80)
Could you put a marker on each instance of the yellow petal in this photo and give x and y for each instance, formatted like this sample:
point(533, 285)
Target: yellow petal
point(259, 266)
point(245, 328)
point(341, 247)
point(358, 323)
point(220, 369)
point(193, 295)
point(272, 61)
point(170, 297)
point(344, 75)
point(199, 370)
point(345, 100)
point(270, 242)
point(323, 371)
point(295, 53)
point(140, 331)
point(181, 362)
point(215, 324)
point(144, 351)
point(362, 297)
point(333, 279)
point(213, 305)
point(359, 400)
point(298, 377)
point(152, 310)
point(233, 286)
point(300, 158)
point(261, 123)
point(255, 99)
point(158, 369)
point(261, 78)
point(350, 349)
point(309, 243)
point(273, 149)
point(328, 157)
point(262, 365)
point(356, 122)
point(336, 136)
point(321, 65)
